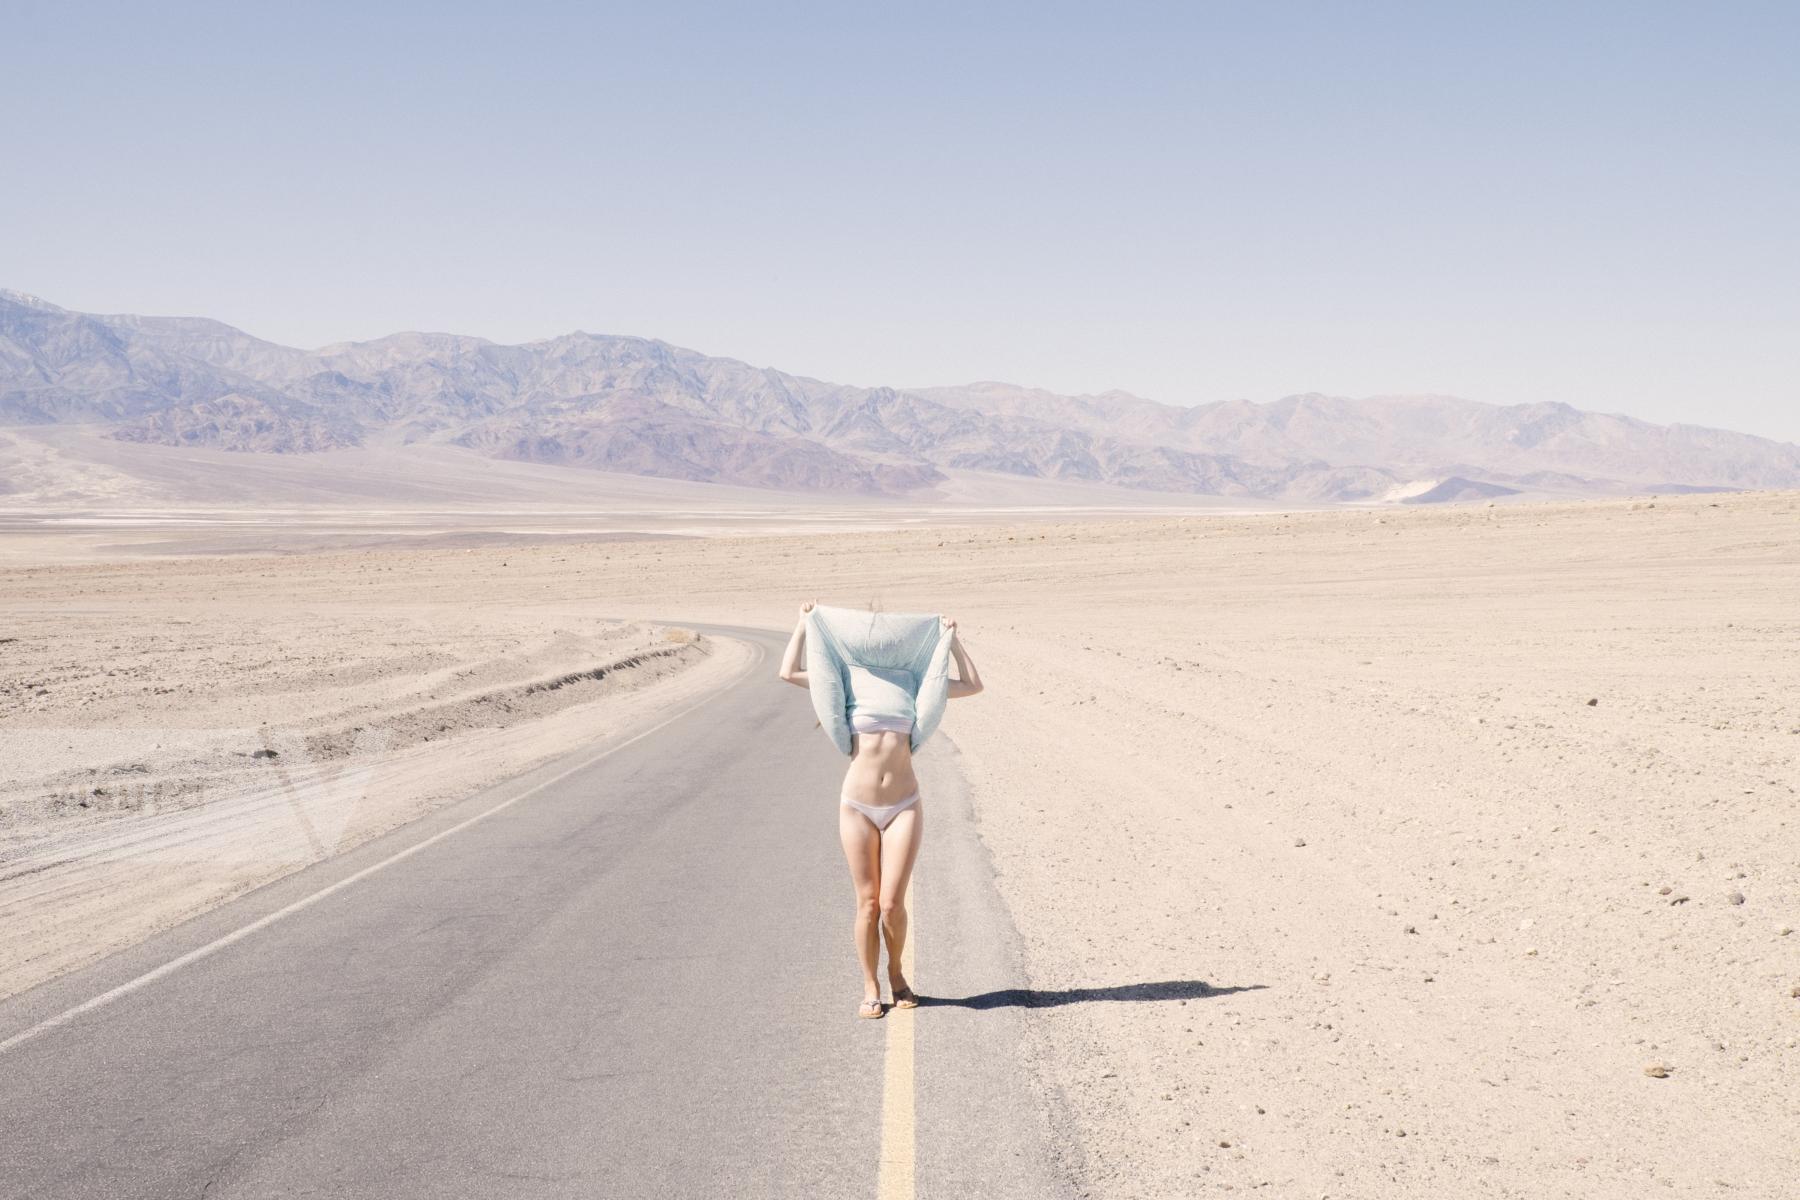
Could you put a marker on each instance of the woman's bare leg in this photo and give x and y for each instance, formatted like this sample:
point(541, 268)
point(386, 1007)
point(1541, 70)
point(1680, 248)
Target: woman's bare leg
point(899, 850)
point(862, 848)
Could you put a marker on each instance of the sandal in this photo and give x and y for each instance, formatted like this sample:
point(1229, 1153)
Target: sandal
point(905, 998)
point(871, 1009)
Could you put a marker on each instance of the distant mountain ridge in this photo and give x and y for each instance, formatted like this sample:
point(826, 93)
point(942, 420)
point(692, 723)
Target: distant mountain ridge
point(645, 407)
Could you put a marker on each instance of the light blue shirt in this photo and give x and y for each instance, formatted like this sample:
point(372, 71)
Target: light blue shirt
point(879, 664)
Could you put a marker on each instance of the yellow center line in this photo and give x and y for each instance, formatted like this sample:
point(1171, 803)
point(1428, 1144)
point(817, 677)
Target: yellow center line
point(895, 1179)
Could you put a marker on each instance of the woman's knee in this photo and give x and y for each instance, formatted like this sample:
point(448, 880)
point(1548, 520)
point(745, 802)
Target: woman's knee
point(868, 906)
point(892, 910)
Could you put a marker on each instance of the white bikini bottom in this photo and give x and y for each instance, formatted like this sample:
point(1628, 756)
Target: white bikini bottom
point(881, 814)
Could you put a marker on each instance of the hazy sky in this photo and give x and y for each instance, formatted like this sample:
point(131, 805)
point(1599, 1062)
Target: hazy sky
point(1594, 203)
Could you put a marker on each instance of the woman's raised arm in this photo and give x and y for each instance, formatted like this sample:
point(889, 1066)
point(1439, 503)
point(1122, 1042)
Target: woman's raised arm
point(968, 680)
point(791, 670)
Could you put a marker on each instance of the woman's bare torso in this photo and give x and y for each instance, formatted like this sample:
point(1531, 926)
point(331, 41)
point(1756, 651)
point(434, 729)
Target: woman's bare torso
point(881, 769)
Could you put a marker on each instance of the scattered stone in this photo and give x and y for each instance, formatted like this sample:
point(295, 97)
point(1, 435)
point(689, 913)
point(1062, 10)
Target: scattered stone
point(1594, 701)
point(1784, 931)
point(1657, 1071)
point(1412, 929)
point(1735, 897)
point(1299, 841)
point(1399, 1133)
point(1531, 953)
point(263, 754)
point(1663, 891)
point(1224, 1145)
point(1679, 900)
point(1795, 991)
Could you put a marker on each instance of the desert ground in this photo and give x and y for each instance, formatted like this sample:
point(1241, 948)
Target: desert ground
point(1479, 823)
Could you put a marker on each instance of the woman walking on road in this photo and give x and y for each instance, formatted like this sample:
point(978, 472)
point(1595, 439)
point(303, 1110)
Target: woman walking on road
point(879, 682)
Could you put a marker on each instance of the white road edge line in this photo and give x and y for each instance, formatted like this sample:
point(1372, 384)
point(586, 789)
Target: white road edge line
point(238, 935)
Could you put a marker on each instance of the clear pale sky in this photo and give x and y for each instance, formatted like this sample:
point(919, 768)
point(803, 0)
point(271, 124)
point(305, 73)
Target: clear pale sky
point(1594, 203)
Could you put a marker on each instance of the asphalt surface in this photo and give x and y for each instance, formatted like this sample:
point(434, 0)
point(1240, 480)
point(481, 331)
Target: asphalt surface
point(635, 980)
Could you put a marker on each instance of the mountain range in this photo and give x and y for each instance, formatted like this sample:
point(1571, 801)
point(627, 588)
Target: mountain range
point(644, 407)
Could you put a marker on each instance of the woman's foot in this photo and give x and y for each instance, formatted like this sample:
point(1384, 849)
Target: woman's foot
point(903, 993)
point(871, 1009)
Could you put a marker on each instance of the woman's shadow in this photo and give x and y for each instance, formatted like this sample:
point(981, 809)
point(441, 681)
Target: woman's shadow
point(1172, 989)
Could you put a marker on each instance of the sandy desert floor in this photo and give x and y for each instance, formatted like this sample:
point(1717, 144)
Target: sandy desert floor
point(1467, 818)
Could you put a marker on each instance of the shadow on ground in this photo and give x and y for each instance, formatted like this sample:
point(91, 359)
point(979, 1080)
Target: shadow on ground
point(1172, 989)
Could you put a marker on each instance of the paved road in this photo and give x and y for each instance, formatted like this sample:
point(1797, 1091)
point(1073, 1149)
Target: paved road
point(635, 980)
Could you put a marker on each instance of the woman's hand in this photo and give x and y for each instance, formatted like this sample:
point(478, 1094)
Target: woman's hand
point(807, 607)
point(949, 623)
